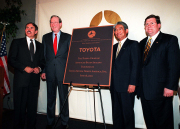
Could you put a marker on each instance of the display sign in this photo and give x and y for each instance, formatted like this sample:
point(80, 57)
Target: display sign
point(90, 56)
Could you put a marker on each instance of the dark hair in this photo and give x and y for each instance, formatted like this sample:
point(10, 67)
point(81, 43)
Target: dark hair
point(36, 27)
point(121, 23)
point(57, 17)
point(153, 16)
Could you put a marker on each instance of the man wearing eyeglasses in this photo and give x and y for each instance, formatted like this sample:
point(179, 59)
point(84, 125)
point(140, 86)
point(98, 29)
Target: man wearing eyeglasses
point(159, 74)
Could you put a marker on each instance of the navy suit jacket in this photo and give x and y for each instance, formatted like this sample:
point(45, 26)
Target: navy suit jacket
point(19, 57)
point(161, 68)
point(55, 64)
point(125, 68)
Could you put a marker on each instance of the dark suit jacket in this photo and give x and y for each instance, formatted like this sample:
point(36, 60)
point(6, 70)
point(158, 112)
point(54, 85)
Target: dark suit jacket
point(125, 68)
point(161, 67)
point(55, 64)
point(19, 58)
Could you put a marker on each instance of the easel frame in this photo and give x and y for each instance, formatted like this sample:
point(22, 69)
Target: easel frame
point(90, 87)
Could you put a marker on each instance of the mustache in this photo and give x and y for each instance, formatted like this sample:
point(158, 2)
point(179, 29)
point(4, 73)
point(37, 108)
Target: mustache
point(29, 31)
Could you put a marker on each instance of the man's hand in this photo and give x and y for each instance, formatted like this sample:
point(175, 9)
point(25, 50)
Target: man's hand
point(36, 70)
point(28, 69)
point(131, 88)
point(168, 92)
point(43, 76)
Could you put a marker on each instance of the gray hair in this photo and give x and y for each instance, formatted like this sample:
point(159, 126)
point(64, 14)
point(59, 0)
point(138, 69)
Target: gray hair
point(121, 23)
point(57, 17)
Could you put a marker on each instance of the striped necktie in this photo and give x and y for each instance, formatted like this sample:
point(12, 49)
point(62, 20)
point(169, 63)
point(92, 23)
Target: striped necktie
point(147, 48)
point(119, 48)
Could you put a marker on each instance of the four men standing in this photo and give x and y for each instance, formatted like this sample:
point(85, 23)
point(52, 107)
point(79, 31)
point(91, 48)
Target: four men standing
point(155, 59)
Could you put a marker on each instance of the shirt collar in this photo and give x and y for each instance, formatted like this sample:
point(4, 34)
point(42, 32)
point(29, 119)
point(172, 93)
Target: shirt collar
point(58, 34)
point(122, 42)
point(154, 37)
point(29, 40)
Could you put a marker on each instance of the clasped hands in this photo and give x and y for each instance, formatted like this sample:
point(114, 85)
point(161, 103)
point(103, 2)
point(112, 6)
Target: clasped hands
point(30, 70)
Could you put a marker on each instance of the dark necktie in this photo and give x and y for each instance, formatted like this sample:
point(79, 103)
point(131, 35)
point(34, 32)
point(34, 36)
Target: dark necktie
point(31, 49)
point(55, 44)
point(147, 48)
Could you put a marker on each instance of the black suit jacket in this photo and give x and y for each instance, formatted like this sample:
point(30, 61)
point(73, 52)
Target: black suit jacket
point(55, 64)
point(125, 68)
point(161, 68)
point(19, 58)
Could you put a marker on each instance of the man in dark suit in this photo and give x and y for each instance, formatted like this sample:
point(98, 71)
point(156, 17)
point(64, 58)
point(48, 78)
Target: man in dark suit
point(56, 46)
point(159, 74)
point(27, 67)
point(125, 73)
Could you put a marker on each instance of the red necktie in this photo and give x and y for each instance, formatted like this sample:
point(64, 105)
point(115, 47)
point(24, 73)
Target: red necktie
point(55, 44)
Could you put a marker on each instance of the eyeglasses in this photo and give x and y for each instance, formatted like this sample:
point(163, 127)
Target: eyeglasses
point(151, 23)
point(54, 22)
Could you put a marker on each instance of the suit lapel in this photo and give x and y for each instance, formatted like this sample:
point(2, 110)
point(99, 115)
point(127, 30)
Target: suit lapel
point(50, 41)
point(143, 46)
point(26, 49)
point(37, 50)
point(114, 51)
point(123, 48)
point(154, 46)
point(61, 41)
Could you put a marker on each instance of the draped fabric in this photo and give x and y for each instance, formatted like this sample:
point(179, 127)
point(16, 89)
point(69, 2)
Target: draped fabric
point(78, 14)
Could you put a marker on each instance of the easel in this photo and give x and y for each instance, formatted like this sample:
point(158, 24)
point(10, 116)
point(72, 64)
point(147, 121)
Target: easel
point(94, 87)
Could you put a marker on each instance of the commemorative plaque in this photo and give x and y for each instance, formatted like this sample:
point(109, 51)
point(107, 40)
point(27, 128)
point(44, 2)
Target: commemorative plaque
point(90, 56)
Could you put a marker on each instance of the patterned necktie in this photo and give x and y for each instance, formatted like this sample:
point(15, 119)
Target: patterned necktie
point(119, 48)
point(55, 44)
point(147, 48)
point(31, 49)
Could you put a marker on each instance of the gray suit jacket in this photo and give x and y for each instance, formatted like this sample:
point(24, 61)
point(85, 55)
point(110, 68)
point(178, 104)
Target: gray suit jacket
point(55, 64)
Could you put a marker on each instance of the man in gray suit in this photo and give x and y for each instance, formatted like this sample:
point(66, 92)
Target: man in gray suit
point(56, 46)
